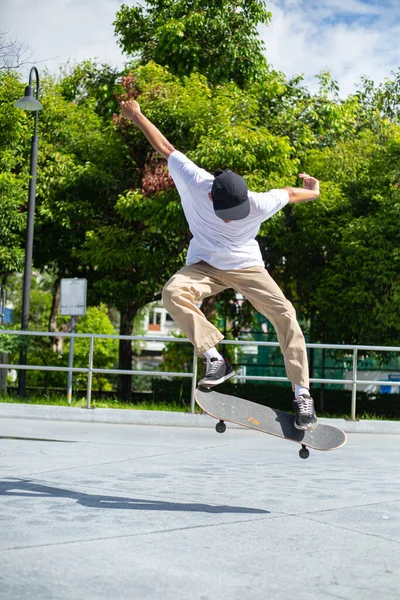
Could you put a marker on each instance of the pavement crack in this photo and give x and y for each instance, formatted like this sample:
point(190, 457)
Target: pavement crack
point(343, 528)
point(314, 512)
point(115, 462)
point(135, 535)
point(335, 595)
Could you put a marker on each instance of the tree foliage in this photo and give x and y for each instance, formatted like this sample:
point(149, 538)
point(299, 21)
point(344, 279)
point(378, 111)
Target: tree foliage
point(14, 175)
point(105, 350)
point(341, 253)
point(218, 39)
point(380, 101)
point(79, 175)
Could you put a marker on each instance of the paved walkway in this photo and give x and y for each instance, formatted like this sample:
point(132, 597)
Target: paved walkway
point(98, 511)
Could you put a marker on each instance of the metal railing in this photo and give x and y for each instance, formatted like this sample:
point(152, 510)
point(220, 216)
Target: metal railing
point(90, 370)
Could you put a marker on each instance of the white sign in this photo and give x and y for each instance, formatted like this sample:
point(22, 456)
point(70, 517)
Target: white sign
point(73, 297)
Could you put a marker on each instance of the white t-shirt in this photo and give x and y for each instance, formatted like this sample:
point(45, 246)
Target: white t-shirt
point(223, 245)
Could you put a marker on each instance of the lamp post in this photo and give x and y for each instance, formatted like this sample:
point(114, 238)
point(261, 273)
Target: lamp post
point(30, 103)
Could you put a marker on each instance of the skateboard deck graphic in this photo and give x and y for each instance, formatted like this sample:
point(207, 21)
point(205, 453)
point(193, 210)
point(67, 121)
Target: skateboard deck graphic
point(268, 420)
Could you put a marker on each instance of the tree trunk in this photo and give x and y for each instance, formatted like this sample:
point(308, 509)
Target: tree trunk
point(56, 342)
point(3, 372)
point(209, 307)
point(125, 353)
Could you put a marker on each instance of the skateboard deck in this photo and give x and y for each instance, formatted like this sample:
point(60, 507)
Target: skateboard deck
point(268, 420)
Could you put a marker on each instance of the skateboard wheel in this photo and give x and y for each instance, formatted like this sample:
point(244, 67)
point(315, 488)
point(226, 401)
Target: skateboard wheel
point(220, 427)
point(304, 452)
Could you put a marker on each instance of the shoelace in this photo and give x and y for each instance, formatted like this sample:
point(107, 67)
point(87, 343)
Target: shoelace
point(212, 366)
point(305, 406)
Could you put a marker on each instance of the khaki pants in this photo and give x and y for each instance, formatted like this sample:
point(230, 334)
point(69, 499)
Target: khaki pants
point(195, 282)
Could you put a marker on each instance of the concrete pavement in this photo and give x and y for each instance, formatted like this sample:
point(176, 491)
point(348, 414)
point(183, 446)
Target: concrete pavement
point(101, 511)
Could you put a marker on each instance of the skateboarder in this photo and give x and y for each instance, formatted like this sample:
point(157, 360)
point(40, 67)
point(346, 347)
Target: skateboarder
point(224, 218)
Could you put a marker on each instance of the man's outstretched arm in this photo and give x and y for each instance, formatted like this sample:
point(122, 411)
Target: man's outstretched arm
point(131, 110)
point(309, 191)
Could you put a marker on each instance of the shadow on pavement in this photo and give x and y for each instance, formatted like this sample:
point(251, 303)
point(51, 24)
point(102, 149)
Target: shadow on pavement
point(29, 439)
point(26, 488)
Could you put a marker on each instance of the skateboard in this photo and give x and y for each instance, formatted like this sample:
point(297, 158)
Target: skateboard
point(268, 420)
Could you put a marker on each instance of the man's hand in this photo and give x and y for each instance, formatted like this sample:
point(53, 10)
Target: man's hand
point(130, 109)
point(309, 191)
point(309, 183)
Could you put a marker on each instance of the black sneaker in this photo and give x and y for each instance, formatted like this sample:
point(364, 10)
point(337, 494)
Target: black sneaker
point(217, 371)
point(305, 418)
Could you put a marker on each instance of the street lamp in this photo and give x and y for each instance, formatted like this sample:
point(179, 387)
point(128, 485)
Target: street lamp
point(30, 103)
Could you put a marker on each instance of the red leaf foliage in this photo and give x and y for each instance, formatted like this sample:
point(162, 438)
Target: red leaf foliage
point(155, 177)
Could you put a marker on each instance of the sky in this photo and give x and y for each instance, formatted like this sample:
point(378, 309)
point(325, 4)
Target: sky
point(351, 38)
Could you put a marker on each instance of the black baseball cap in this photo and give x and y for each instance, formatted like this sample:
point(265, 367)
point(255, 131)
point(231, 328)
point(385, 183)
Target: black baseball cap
point(230, 196)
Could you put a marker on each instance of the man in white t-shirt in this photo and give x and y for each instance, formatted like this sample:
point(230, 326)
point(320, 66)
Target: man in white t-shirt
point(224, 218)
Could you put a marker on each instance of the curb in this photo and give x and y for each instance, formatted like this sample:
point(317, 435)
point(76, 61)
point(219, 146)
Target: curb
point(162, 418)
point(103, 415)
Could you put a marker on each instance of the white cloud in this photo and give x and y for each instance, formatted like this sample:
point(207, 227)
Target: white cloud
point(61, 30)
point(306, 37)
point(351, 38)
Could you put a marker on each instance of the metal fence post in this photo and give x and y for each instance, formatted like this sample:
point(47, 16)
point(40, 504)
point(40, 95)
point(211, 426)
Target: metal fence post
point(354, 386)
point(90, 373)
point(71, 360)
point(194, 381)
point(3, 372)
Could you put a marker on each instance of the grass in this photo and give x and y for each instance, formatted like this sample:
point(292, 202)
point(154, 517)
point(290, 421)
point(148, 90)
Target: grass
point(58, 400)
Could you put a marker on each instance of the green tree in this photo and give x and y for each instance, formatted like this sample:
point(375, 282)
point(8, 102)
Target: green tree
point(105, 356)
point(40, 350)
point(79, 175)
point(15, 133)
point(83, 167)
point(338, 257)
point(81, 172)
point(218, 39)
point(12, 224)
point(93, 82)
point(38, 347)
point(309, 121)
point(380, 101)
point(366, 268)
